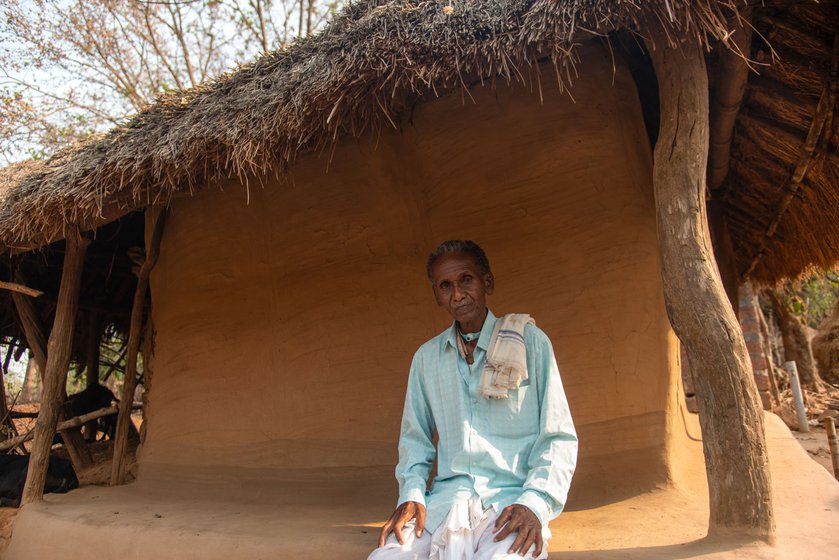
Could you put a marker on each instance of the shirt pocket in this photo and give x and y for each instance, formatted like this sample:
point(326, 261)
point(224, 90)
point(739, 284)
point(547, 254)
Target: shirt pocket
point(517, 415)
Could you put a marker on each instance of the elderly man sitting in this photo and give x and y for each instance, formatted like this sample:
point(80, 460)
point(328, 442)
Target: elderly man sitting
point(507, 448)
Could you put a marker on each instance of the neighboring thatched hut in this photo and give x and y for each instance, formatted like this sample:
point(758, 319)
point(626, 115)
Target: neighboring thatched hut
point(292, 204)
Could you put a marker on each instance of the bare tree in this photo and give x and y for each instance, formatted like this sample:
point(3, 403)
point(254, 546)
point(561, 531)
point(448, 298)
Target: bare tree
point(70, 68)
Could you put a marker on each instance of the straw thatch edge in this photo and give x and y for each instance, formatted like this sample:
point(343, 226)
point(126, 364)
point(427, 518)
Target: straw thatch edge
point(358, 75)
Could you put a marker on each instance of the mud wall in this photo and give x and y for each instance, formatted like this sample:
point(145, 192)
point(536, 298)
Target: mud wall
point(287, 315)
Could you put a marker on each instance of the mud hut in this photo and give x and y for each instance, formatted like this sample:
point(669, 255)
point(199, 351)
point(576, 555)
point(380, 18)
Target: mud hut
point(286, 210)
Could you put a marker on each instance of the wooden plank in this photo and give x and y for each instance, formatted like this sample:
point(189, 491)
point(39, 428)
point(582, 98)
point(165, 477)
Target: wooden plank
point(156, 220)
point(20, 289)
point(58, 360)
point(74, 422)
point(730, 410)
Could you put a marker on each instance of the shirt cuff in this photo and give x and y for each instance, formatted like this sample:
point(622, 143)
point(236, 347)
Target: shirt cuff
point(536, 504)
point(411, 495)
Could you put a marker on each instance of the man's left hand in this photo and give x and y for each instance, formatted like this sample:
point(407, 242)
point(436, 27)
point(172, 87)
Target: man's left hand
point(520, 519)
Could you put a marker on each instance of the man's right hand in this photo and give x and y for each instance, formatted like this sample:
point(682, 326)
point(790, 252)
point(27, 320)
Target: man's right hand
point(404, 513)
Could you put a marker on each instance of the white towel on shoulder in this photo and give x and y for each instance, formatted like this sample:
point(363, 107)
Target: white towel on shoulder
point(506, 363)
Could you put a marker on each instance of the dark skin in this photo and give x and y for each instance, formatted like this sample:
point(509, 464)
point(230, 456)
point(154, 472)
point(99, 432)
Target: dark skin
point(461, 287)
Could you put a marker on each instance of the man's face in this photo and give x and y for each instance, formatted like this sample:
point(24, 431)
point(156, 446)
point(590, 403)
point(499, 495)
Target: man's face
point(461, 287)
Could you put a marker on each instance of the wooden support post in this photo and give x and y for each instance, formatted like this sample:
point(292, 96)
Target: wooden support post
point(833, 443)
point(730, 412)
point(155, 221)
point(72, 437)
point(797, 396)
point(58, 360)
point(34, 330)
point(94, 339)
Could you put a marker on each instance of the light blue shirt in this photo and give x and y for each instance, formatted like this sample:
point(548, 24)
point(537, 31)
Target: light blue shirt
point(522, 449)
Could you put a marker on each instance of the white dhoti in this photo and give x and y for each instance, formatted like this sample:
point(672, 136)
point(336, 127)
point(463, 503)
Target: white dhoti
point(466, 534)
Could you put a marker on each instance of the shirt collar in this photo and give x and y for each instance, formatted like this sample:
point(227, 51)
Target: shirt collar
point(483, 340)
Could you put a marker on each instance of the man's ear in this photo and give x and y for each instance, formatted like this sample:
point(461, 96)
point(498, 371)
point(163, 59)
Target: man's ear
point(489, 283)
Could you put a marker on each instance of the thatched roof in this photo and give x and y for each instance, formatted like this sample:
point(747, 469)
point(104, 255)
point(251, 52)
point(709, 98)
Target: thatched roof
point(782, 193)
point(377, 58)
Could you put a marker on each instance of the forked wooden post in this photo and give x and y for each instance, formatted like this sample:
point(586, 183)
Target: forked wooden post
point(730, 411)
point(57, 361)
point(155, 222)
point(34, 330)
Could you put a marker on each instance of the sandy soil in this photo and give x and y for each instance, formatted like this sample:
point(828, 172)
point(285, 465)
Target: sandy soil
point(815, 444)
point(97, 474)
point(335, 513)
point(818, 408)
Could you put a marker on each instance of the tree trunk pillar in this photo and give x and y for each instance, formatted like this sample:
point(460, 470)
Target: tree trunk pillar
point(34, 330)
point(57, 361)
point(724, 253)
point(730, 412)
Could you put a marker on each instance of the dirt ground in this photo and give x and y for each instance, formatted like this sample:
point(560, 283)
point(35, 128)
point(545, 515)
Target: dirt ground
point(815, 444)
point(818, 407)
point(97, 474)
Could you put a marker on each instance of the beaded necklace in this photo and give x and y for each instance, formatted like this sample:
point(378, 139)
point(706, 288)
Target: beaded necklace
point(462, 340)
point(469, 337)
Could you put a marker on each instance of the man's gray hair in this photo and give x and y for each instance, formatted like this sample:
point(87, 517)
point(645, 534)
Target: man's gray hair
point(459, 246)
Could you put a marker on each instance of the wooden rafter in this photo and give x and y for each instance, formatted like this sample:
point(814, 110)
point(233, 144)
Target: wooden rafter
point(819, 127)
